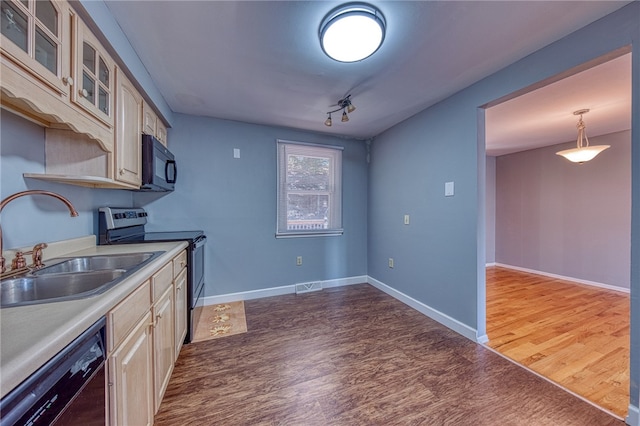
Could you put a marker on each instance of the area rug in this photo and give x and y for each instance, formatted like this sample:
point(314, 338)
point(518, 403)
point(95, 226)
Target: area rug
point(225, 319)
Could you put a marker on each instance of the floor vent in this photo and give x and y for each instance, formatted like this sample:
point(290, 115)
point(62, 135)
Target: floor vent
point(308, 287)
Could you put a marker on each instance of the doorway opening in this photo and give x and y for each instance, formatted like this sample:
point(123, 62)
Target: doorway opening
point(558, 233)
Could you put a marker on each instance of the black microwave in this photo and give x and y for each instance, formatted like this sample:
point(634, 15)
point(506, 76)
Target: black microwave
point(159, 171)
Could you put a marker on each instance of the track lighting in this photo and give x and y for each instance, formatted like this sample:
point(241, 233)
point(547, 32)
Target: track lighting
point(346, 106)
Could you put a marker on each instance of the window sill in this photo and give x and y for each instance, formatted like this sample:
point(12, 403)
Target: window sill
point(326, 233)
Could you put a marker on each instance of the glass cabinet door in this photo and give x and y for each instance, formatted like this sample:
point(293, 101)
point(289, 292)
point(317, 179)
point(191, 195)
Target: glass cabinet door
point(35, 33)
point(95, 75)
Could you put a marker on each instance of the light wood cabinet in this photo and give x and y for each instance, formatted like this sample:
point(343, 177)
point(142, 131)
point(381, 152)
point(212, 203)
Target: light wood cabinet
point(38, 79)
point(128, 146)
point(36, 34)
point(141, 345)
point(94, 75)
point(163, 345)
point(180, 298)
point(153, 125)
point(56, 72)
point(131, 377)
point(163, 330)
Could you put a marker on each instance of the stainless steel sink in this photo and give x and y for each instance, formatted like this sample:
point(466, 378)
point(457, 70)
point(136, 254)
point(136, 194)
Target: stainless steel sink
point(72, 278)
point(40, 289)
point(95, 263)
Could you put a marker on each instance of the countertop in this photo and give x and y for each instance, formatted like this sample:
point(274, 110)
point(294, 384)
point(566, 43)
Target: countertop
point(31, 335)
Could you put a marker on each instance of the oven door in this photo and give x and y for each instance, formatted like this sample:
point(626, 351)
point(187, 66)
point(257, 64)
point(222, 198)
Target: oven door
point(195, 285)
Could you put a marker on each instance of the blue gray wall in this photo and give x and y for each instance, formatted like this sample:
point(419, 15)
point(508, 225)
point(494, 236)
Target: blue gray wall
point(33, 219)
point(571, 220)
point(440, 256)
point(490, 208)
point(234, 202)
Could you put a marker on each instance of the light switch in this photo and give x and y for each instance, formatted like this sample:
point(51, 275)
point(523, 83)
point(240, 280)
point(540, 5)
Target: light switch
point(448, 189)
point(236, 152)
point(406, 219)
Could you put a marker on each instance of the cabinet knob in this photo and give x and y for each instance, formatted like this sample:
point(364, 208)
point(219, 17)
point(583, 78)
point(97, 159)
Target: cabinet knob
point(84, 93)
point(67, 81)
point(121, 172)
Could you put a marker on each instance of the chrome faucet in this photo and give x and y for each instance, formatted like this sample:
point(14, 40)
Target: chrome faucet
point(38, 248)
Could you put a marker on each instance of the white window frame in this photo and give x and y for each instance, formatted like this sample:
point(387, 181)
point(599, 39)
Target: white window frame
point(334, 154)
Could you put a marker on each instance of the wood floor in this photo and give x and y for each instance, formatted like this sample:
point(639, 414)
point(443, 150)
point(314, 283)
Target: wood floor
point(355, 356)
point(575, 335)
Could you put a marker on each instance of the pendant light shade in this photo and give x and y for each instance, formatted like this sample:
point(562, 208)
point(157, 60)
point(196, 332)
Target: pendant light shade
point(583, 152)
point(352, 32)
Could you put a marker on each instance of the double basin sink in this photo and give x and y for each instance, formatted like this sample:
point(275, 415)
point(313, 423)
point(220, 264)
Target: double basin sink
point(72, 278)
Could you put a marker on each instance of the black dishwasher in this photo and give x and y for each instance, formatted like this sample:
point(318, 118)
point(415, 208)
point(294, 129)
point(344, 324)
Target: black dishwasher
point(68, 390)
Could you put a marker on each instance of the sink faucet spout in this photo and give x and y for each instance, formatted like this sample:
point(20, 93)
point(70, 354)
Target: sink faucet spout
point(10, 198)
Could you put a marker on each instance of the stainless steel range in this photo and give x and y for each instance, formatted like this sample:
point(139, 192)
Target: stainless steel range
point(126, 226)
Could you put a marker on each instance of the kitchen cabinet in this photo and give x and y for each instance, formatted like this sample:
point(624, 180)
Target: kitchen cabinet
point(153, 125)
point(130, 360)
point(128, 147)
point(163, 331)
point(56, 72)
point(36, 56)
point(94, 75)
point(36, 35)
point(141, 332)
point(180, 287)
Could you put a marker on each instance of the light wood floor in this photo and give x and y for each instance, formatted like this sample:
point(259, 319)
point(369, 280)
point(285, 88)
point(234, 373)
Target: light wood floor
point(355, 356)
point(576, 335)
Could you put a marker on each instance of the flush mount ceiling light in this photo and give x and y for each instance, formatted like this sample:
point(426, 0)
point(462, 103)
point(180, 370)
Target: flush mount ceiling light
point(583, 152)
point(352, 32)
point(346, 106)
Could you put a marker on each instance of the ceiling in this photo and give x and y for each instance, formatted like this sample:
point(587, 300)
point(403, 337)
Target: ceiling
point(261, 62)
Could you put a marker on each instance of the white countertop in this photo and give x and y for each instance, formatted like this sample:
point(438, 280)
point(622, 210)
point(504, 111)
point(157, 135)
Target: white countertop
point(31, 335)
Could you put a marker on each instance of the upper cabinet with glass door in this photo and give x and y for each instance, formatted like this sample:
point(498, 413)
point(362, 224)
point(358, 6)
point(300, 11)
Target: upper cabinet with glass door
point(36, 37)
point(94, 73)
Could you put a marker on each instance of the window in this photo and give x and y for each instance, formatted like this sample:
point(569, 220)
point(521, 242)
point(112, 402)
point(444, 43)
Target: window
point(309, 189)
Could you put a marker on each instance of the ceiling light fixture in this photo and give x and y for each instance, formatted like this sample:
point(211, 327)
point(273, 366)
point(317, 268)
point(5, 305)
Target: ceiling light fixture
point(583, 152)
point(352, 32)
point(346, 106)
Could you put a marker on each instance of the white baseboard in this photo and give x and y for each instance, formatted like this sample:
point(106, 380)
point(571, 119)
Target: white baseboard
point(278, 291)
point(633, 417)
point(434, 314)
point(562, 277)
point(490, 264)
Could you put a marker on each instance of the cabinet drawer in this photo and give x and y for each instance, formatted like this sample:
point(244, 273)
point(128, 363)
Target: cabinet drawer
point(179, 263)
point(161, 281)
point(124, 316)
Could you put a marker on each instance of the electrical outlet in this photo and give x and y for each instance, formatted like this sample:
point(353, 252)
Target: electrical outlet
point(299, 260)
point(390, 262)
point(406, 219)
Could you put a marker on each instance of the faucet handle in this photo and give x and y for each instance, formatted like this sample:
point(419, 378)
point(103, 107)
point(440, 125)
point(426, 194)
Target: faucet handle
point(18, 261)
point(36, 255)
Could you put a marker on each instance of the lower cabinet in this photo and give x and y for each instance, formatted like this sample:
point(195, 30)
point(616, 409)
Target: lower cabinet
point(163, 347)
point(180, 285)
point(130, 378)
point(142, 346)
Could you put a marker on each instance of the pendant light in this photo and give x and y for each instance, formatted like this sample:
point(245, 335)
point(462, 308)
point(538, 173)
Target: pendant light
point(583, 152)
